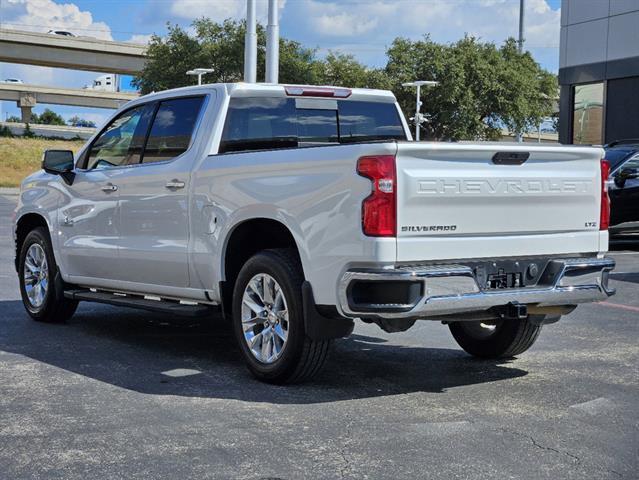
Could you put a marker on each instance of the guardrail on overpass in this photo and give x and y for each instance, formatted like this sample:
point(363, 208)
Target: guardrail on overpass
point(51, 131)
point(77, 53)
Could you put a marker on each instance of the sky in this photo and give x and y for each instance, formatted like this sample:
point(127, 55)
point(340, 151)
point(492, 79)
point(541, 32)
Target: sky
point(364, 28)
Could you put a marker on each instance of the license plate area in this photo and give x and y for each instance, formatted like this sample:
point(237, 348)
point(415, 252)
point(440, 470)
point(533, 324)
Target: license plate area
point(502, 279)
point(503, 274)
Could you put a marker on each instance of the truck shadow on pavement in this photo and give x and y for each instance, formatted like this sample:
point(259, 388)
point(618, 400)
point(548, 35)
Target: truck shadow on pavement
point(625, 243)
point(154, 354)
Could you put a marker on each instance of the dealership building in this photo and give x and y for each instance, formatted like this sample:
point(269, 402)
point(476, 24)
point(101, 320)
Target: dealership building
point(599, 71)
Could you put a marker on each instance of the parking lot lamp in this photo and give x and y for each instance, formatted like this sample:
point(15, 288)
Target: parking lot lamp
point(199, 72)
point(419, 118)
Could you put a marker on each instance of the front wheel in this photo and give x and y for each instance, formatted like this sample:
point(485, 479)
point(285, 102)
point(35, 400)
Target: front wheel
point(496, 339)
point(268, 319)
point(42, 296)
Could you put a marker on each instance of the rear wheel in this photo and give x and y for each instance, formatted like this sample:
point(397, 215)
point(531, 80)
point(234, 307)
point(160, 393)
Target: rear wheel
point(268, 319)
point(496, 339)
point(42, 295)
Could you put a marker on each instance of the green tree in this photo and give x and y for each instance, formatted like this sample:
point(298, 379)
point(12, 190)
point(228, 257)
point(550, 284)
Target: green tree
point(481, 88)
point(76, 121)
point(345, 71)
point(168, 59)
point(14, 119)
point(48, 117)
point(219, 46)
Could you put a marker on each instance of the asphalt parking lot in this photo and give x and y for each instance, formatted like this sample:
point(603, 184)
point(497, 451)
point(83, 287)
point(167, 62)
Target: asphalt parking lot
point(117, 393)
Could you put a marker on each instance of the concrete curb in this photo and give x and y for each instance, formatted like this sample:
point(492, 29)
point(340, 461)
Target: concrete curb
point(9, 191)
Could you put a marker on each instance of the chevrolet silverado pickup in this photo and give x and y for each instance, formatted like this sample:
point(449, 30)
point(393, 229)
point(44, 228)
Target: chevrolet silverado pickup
point(292, 211)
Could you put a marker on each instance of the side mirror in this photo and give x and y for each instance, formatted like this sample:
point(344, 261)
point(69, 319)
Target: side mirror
point(629, 173)
point(59, 162)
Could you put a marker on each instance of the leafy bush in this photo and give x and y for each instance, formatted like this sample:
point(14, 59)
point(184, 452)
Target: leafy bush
point(28, 133)
point(6, 132)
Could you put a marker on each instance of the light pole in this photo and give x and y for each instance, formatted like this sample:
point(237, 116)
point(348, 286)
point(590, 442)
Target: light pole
point(419, 118)
point(250, 44)
point(522, 6)
point(272, 43)
point(199, 72)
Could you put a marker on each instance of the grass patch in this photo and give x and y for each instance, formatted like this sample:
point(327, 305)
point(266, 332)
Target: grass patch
point(20, 157)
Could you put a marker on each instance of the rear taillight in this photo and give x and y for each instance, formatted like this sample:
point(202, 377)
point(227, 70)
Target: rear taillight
point(379, 217)
point(604, 218)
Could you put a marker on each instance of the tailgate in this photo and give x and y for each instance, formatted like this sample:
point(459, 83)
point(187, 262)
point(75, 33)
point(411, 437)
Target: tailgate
point(455, 192)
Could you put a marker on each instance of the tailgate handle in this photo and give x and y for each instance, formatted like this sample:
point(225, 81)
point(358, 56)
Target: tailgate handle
point(510, 158)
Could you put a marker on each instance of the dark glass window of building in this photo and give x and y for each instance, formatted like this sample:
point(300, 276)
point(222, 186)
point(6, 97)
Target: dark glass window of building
point(622, 109)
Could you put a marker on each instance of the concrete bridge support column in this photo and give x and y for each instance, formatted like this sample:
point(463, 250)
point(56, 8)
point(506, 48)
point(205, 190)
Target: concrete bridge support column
point(26, 103)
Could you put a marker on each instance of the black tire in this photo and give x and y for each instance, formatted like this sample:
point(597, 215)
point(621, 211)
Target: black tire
point(508, 339)
point(301, 358)
point(54, 307)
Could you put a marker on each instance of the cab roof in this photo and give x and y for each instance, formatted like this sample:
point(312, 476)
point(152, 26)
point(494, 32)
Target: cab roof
point(242, 89)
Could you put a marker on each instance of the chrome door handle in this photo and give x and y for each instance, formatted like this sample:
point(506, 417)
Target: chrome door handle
point(174, 184)
point(109, 187)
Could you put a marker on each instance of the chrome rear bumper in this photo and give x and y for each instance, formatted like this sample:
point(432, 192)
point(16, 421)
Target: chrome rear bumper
point(451, 289)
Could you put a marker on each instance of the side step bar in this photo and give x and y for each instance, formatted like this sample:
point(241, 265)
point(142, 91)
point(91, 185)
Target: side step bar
point(138, 301)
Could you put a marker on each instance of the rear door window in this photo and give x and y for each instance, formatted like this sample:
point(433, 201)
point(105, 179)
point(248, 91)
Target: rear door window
point(172, 129)
point(262, 123)
point(259, 124)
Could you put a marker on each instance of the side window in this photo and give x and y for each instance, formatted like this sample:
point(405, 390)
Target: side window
point(172, 129)
point(259, 123)
point(122, 141)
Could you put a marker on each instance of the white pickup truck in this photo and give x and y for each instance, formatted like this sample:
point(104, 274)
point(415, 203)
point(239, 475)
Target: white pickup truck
point(295, 210)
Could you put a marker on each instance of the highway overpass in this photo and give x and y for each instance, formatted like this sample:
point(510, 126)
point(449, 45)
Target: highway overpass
point(27, 96)
point(76, 53)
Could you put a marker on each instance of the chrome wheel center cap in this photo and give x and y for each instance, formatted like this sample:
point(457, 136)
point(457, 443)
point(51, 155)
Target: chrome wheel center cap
point(265, 318)
point(34, 276)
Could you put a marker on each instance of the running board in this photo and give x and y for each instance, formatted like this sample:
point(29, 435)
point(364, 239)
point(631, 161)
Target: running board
point(138, 301)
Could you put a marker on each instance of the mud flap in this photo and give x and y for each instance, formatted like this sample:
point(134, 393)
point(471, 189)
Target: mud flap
point(319, 327)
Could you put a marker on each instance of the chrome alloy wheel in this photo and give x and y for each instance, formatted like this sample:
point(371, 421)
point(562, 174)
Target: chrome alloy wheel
point(264, 318)
point(36, 275)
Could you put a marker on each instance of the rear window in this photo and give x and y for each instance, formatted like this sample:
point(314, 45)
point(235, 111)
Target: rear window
point(263, 123)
